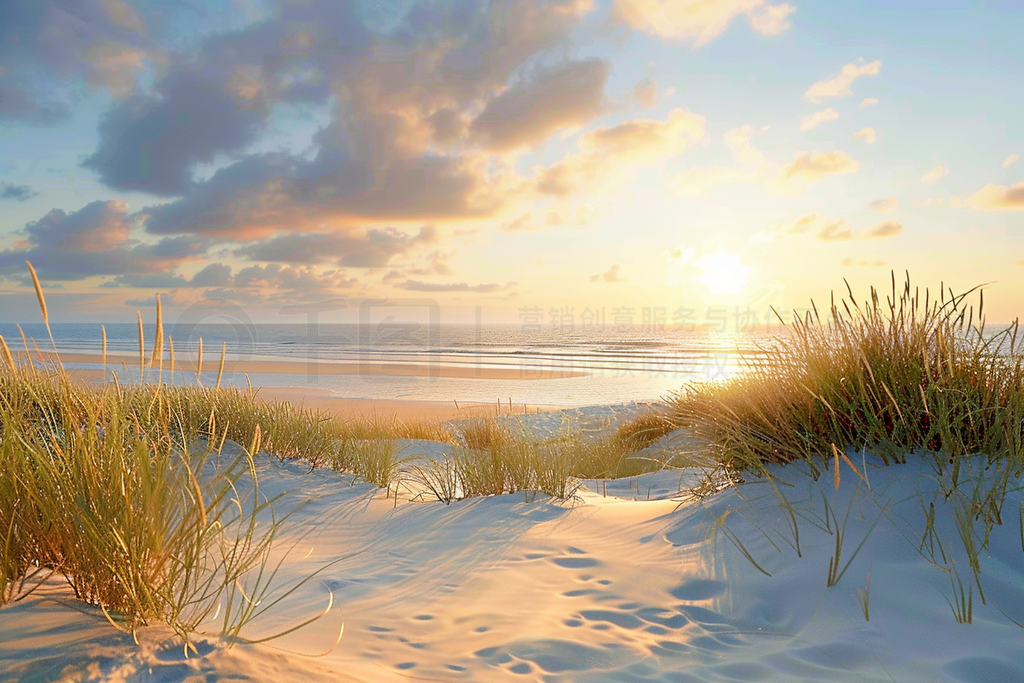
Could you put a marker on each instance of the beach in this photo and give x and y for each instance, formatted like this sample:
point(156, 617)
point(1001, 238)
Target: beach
point(627, 582)
point(375, 560)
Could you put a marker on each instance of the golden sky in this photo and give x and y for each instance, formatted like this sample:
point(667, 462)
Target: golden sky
point(674, 158)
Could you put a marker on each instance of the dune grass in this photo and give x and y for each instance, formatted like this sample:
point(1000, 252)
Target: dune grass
point(493, 458)
point(644, 429)
point(119, 506)
point(905, 373)
point(123, 489)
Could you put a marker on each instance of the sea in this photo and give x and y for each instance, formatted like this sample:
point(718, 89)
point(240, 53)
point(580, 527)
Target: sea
point(616, 363)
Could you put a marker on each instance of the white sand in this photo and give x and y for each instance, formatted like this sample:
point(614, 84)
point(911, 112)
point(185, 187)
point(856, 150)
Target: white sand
point(616, 588)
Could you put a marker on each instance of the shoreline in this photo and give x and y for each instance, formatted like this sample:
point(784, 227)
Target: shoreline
point(299, 367)
point(393, 408)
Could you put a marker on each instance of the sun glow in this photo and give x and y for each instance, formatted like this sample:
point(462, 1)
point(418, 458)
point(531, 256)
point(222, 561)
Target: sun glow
point(723, 273)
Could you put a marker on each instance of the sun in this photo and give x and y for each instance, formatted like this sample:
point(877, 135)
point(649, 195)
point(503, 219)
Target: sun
point(723, 273)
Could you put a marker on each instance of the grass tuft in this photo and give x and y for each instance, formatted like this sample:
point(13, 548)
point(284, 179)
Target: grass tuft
point(896, 374)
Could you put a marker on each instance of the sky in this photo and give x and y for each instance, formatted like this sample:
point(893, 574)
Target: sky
point(690, 162)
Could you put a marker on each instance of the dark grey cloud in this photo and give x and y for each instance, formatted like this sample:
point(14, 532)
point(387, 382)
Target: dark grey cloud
point(372, 249)
point(569, 95)
point(213, 275)
point(18, 192)
point(417, 286)
point(277, 284)
point(218, 100)
point(45, 45)
point(398, 147)
point(97, 240)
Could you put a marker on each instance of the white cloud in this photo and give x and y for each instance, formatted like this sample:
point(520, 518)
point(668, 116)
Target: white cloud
point(867, 134)
point(813, 167)
point(861, 263)
point(935, 175)
point(698, 22)
point(886, 205)
point(868, 102)
point(1010, 160)
point(816, 227)
point(738, 140)
point(771, 20)
point(610, 152)
point(886, 229)
point(995, 198)
point(646, 93)
point(817, 118)
point(697, 182)
point(839, 84)
point(610, 275)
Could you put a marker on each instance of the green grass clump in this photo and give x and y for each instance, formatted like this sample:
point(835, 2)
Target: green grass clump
point(896, 375)
point(122, 508)
point(123, 491)
point(644, 429)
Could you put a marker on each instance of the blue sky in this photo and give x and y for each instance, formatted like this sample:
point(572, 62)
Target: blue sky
point(674, 154)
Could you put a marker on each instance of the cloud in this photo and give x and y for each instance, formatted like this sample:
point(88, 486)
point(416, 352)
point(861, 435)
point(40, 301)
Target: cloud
point(522, 223)
point(373, 248)
point(783, 230)
point(19, 193)
point(47, 45)
point(839, 84)
point(886, 205)
point(700, 181)
point(867, 134)
point(279, 277)
point(681, 254)
point(219, 98)
point(867, 102)
point(814, 226)
point(861, 263)
point(21, 100)
point(698, 22)
point(935, 175)
point(610, 275)
point(616, 149)
point(646, 93)
point(417, 286)
point(1010, 160)
point(771, 20)
point(739, 142)
point(399, 145)
point(96, 240)
point(816, 119)
point(996, 198)
point(836, 231)
point(886, 229)
point(99, 226)
point(813, 167)
point(567, 96)
point(213, 275)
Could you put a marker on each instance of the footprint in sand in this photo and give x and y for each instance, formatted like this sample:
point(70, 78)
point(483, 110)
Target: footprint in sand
point(698, 589)
point(576, 562)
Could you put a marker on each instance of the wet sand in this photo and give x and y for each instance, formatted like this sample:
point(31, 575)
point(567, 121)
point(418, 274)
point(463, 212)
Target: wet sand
point(283, 367)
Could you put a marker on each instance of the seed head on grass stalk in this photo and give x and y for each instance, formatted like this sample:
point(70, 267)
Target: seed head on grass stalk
point(157, 359)
point(142, 352)
point(7, 352)
point(220, 370)
point(42, 309)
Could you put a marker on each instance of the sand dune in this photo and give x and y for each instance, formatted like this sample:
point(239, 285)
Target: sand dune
point(630, 586)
